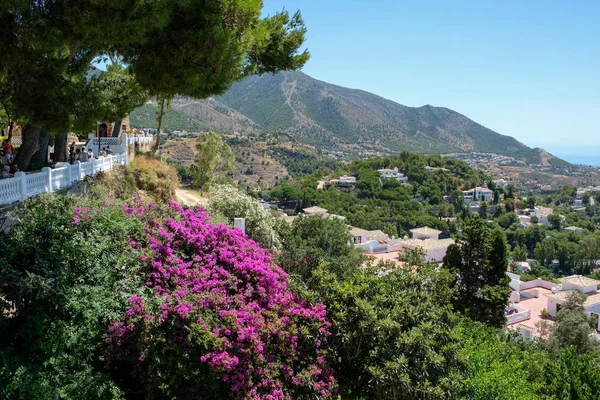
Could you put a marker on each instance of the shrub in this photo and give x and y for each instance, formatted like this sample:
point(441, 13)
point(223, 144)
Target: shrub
point(173, 306)
point(153, 176)
point(221, 309)
point(234, 203)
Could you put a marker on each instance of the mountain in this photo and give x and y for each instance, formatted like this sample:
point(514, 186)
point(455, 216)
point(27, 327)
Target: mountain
point(337, 118)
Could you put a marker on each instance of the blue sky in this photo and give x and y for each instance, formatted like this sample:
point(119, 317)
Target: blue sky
point(528, 69)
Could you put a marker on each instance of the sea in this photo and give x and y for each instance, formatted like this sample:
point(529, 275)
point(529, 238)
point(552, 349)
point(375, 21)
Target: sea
point(587, 156)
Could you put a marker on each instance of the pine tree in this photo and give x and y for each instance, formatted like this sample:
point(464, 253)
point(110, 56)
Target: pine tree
point(479, 263)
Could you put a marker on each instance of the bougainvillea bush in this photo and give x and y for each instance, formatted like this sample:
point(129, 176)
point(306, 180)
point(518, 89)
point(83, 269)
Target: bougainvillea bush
point(150, 301)
point(222, 315)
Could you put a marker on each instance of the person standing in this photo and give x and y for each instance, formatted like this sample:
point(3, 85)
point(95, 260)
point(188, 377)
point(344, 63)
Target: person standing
point(83, 156)
point(8, 151)
point(72, 152)
point(90, 154)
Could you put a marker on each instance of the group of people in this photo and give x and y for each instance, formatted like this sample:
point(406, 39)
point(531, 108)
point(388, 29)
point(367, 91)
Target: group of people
point(82, 155)
point(7, 159)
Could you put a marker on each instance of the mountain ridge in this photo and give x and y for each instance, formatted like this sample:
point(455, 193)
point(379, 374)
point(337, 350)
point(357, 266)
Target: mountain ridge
point(337, 118)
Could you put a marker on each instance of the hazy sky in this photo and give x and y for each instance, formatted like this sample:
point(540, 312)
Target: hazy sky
point(524, 68)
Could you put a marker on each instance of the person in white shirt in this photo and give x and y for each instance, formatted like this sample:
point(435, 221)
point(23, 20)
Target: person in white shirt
point(90, 154)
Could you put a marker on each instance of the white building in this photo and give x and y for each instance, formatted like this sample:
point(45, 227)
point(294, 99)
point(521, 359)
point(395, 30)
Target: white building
point(425, 233)
point(501, 183)
point(312, 211)
point(542, 214)
point(321, 212)
point(393, 173)
point(575, 283)
point(347, 180)
point(478, 194)
point(361, 237)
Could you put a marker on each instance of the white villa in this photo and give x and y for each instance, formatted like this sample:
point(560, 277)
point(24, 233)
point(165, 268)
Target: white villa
point(377, 242)
point(393, 173)
point(530, 299)
point(542, 214)
point(321, 212)
point(478, 194)
point(343, 180)
point(575, 283)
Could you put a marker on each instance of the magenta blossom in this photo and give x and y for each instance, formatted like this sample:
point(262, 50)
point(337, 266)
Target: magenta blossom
point(219, 302)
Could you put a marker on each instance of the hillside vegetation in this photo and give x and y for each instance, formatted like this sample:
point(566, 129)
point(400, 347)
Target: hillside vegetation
point(334, 118)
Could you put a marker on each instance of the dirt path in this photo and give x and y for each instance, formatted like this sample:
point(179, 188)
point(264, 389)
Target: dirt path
point(190, 197)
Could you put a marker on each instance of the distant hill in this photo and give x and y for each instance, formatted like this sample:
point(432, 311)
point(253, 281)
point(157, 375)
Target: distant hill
point(336, 118)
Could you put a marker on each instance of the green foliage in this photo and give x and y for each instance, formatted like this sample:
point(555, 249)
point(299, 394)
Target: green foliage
point(233, 203)
point(214, 155)
point(392, 334)
point(300, 163)
point(479, 262)
point(573, 326)
point(159, 180)
point(65, 284)
point(304, 249)
point(173, 120)
point(519, 253)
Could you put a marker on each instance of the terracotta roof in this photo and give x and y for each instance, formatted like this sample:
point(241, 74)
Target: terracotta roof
point(580, 280)
point(426, 231)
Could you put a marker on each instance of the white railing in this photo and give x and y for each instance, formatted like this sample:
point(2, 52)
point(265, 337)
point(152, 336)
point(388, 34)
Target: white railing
point(50, 180)
point(139, 139)
point(107, 141)
point(523, 315)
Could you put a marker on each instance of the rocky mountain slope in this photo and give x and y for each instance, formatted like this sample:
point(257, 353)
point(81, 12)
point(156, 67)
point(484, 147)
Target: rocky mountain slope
point(336, 118)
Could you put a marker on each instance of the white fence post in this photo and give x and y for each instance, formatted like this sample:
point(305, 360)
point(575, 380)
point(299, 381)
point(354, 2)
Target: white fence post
point(22, 184)
point(48, 172)
point(240, 223)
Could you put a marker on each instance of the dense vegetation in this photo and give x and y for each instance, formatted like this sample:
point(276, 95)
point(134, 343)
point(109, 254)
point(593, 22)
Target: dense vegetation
point(173, 120)
point(107, 297)
point(300, 163)
point(388, 204)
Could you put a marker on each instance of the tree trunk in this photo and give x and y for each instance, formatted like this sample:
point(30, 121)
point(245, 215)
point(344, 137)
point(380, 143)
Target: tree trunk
point(10, 129)
point(159, 119)
point(117, 130)
point(40, 157)
point(30, 137)
point(61, 152)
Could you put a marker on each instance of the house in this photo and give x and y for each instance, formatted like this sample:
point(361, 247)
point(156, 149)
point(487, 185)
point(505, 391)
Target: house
point(542, 214)
point(575, 283)
point(501, 183)
point(392, 173)
point(321, 212)
point(425, 233)
point(347, 180)
point(524, 221)
point(312, 211)
point(478, 194)
point(362, 236)
point(428, 239)
point(435, 249)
